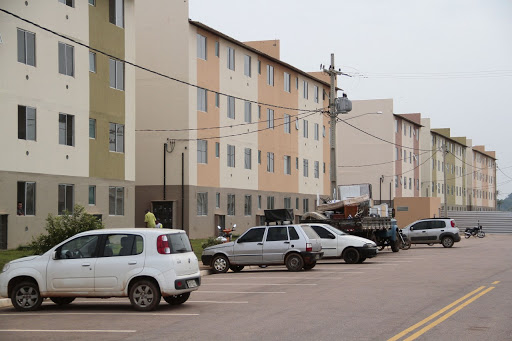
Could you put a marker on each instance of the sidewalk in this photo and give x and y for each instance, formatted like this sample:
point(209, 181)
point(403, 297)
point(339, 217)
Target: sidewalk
point(6, 302)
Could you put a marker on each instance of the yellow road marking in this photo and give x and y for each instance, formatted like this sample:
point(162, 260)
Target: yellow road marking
point(443, 318)
point(495, 282)
point(419, 324)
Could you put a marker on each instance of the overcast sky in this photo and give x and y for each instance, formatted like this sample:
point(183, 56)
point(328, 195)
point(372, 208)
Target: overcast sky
point(448, 60)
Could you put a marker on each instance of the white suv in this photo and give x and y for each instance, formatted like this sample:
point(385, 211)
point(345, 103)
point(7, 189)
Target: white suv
point(143, 264)
point(433, 231)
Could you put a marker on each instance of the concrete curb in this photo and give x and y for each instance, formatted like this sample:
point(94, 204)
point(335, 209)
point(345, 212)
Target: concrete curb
point(6, 302)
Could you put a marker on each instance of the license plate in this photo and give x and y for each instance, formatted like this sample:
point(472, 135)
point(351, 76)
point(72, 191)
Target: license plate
point(317, 256)
point(191, 283)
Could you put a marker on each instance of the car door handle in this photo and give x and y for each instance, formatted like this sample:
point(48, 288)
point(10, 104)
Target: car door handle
point(86, 264)
point(424, 231)
point(287, 242)
point(132, 262)
point(259, 244)
point(442, 230)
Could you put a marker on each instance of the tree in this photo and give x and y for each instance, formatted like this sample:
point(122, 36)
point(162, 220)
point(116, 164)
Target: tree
point(60, 228)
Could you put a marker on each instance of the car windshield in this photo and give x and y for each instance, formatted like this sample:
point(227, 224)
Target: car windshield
point(179, 243)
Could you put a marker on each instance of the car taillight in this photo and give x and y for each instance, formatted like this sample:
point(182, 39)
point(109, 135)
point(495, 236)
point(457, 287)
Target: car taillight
point(162, 245)
point(309, 247)
point(453, 223)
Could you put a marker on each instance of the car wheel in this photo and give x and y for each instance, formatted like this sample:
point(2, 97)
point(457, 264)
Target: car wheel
point(145, 295)
point(26, 297)
point(294, 262)
point(309, 266)
point(220, 264)
point(62, 300)
point(236, 268)
point(177, 299)
point(447, 241)
point(395, 245)
point(351, 256)
point(362, 259)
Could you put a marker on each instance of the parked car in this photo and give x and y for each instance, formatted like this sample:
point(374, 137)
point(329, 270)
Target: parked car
point(433, 231)
point(142, 264)
point(296, 246)
point(338, 244)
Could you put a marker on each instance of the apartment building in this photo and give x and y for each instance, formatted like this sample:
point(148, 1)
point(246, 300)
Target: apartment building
point(379, 147)
point(67, 123)
point(234, 131)
point(482, 191)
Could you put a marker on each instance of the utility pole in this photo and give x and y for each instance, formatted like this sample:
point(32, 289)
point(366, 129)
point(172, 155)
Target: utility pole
point(333, 116)
point(445, 150)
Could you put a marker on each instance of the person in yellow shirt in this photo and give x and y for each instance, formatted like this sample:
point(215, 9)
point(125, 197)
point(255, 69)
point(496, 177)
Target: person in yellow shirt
point(150, 219)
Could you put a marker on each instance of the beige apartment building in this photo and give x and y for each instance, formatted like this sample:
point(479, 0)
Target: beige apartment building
point(229, 131)
point(68, 114)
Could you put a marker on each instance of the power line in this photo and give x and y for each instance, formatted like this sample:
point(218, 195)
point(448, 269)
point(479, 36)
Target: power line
point(381, 163)
point(435, 75)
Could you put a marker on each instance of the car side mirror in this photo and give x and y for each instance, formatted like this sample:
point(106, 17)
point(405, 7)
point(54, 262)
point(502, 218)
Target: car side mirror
point(332, 236)
point(55, 255)
point(412, 228)
point(239, 241)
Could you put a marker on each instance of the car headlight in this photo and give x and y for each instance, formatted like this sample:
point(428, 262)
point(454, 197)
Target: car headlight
point(369, 245)
point(6, 267)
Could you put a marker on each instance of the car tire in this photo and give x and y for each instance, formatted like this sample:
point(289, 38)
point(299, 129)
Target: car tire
point(351, 256)
point(447, 241)
point(395, 245)
point(145, 295)
point(236, 268)
point(220, 264)
point(361, 260)
point(62, 300)
point(294, 262)
point(26, 297)
point(309, 266)
point(177, 299)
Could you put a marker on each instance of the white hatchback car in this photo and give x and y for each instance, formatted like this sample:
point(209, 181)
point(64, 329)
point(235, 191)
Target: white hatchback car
point(143, 264)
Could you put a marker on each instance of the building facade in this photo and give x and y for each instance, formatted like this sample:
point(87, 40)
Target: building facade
point(240, 132)
point(67, 128)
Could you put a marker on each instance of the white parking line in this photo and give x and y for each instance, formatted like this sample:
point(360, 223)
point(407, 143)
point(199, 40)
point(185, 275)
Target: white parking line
point(238, 292)
point(162, 303)
point(272, 284)
point(120, 313)
point(66, 331)
point(213, 278)
point(221, 302)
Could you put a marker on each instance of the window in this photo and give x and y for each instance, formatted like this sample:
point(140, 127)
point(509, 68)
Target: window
point(202, 104)
point(248, 112)
point(259, 157)
point(287, 123)
point(306, 168)
point(323, 131)
point(217, 200)
point(396, 181)
point(405, 182)
point(217, 99)
point(315, 91)
point(277, 233)
point(92, 2)
point(270, 162)
point(248, 205)
point(26, 47)
point(247, 65)
point(231, 204)
point(116, 12)
point(66, 59)
point(92, 195)
point(26, 123)
point(410, 185)
point(116, 137)
point(115, 200)
point(202, 151)
point(92, 128)
point(231, 107)
point(270, 118)
point(288, 202)
point(305, 204)
point(305, 89)
point(81, 247)
point(287, 83)
point(116, 72)
point(259, 112)
point(231, 58)
point(217, 149)
point(317, 170)
point(287, 164)
point(270, 75)
point(247, 158)
point(316, 129)
point(259, 67)
point(70, 3)
point(27, 198)
point(270, 203)
point(92, 61)
point(259, 202)
point(296, 163)
point(306, 134)
point(405, 156)
point(66, 129)
point(297, 83)
point(201, 46)
point(254, 235)
point(202, 204)
point(322, 232)
point(216, 49)
point(293, 233)
point(231, 156)
point(296, 203)
point(410, 157)
point(65, 200)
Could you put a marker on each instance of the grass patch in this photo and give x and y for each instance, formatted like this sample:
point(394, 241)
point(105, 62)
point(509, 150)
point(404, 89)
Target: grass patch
point(9, 255)
point(197, 246)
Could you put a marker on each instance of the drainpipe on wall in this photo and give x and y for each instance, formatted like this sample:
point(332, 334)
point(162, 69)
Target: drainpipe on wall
point(182, 190)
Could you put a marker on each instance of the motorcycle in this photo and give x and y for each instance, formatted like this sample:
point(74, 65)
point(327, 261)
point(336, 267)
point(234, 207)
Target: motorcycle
point(474, 231)
point(225, 234)
point(405, 243)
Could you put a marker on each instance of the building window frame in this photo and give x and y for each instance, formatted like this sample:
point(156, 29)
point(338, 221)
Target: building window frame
point(27, 123)
point(26, 47)
point(115, 201)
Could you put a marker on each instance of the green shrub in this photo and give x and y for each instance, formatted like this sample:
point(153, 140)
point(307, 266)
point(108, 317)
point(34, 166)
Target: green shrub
point(210, 242)
point(60, 228)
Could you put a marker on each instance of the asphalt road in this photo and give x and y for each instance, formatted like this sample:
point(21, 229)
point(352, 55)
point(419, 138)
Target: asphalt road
point(425, 293)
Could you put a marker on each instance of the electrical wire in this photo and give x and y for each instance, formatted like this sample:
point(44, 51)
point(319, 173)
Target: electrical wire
point(435, 75)
point(378, 164)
